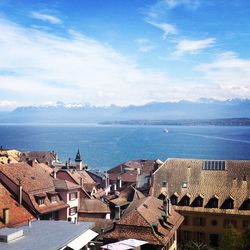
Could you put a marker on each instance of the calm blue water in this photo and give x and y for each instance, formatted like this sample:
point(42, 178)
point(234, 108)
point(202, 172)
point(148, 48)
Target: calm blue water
point(106, 146)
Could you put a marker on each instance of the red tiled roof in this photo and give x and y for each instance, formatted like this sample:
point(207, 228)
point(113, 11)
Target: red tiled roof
point(34, 180)
point(145, 165)
point(145, 219)
point(41, 156)
point(17, 213)
point(93, 206)
point(126, 194)
point(65, 185)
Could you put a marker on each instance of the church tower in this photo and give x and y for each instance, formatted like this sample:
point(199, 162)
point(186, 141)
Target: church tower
point(78, 160)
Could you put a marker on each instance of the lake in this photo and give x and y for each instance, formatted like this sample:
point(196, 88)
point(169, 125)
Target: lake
point(106, 146)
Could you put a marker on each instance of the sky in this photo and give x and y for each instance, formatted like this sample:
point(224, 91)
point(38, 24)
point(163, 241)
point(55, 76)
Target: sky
point(122, 52)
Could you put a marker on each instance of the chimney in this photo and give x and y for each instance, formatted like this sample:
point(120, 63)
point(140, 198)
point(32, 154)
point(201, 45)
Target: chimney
point(54, 174)
point(117, 212)
point(165, 205)
point(20, 192)
point(6, 216)
point(81, 181)
point(29, 223)
point(139, 172)
point(75, 220)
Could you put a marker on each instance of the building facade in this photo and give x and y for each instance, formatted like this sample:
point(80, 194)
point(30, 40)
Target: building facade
point(211, 195)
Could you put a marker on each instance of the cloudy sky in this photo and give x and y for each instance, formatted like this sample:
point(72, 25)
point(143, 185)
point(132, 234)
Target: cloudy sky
point(123, 52)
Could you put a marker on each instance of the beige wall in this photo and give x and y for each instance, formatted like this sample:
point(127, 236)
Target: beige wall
point(211, 223)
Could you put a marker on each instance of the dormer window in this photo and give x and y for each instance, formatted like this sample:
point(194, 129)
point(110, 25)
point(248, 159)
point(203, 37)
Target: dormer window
point(41, 201)
point(198, 201)
point(185, 201)
point(213, 202)
point(53, 198)
point(245, 205)
point(174, 199)
point(228, 203)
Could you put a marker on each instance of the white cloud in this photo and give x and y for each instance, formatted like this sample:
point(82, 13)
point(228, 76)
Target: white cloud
point(144, 45)
point(193, 46)
point(46, 68)
point(167, 28)
point(191, 4)
point(7, 104)
point(229, 72)
point(45, 17)
point(39, 67)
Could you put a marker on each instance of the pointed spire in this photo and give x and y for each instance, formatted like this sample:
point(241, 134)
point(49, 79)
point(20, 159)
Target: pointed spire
point(78, 156)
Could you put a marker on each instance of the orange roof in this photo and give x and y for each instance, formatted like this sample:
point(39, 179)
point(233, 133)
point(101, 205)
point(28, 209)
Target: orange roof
point(34, 180)
point(93, 206)
point(17, 213)
point(145, 219)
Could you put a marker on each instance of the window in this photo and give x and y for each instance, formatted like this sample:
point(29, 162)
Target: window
point(245, 205)
point(164, 184)
point(185, 201)
point(230, 223)
point(41, 201)
point(214, 165)
point(174, 200)
point(212, 203)
point(184, 184)
point(186, 235)
point(246, 223)
point(53, 198)
point(72, 210)
point(199, 236)
point(214, 240)
point(199, 221)
point(228, 204)
point(214, 222)
point(72, 196)
point(198, 202)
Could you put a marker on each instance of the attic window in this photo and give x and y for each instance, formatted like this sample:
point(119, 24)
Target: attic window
point(228, 203)
point(174, 199)
point(214, 165)
point(184, 184)
point(53, 198)
point(164, 184)
point(41, 201)
point(213, 202)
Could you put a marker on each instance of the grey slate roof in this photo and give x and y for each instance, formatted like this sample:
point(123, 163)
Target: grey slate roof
point(49, 235)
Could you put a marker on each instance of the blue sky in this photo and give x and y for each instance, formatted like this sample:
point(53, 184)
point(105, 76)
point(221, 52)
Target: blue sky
point(104, 52)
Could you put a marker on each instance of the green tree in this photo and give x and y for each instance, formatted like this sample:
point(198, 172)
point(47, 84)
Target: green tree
point(230, 239)
point(246, 239)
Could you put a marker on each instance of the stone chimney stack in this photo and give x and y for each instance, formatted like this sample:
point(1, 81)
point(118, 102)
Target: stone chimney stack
point(54, 174)
point(20, 192)
point(6, 216)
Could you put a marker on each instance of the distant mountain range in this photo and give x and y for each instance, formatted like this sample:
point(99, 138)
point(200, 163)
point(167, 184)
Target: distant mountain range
point(182, 110)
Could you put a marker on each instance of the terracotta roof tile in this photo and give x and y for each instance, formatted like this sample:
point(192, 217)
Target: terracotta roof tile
point(146, 216)
point(234, 181)
point(34, 180)
point(17, 213)
point(93, 206)
point(65, 185)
